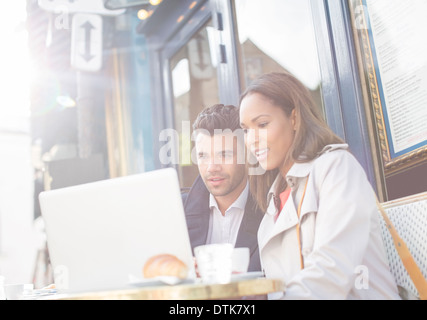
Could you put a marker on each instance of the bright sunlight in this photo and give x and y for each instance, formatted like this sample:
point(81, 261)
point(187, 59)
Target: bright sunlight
point(15, 76)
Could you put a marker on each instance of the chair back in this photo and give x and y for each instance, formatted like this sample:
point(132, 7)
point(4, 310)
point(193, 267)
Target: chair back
point(409, 217)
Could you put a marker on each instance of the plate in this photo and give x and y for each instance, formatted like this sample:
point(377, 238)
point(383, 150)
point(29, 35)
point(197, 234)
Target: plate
point(247, 276)
point(159, 281)
point(172, 281)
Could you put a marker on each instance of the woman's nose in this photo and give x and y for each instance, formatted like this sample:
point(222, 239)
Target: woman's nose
point(251, 138)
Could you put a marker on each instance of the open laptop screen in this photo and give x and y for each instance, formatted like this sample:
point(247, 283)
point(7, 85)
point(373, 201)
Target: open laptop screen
point(100, 234)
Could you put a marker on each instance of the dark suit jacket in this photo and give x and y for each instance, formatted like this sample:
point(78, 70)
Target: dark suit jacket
point(197, 212)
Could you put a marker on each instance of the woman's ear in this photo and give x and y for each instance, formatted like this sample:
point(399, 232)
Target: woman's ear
point(294, 119)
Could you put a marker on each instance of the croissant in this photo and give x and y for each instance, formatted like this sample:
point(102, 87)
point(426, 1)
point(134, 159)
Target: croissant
point(165, 265)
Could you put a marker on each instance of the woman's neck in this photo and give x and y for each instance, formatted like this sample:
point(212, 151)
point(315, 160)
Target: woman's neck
point(285, 169)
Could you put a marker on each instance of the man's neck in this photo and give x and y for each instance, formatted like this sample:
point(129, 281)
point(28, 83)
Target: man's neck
point(224, 202)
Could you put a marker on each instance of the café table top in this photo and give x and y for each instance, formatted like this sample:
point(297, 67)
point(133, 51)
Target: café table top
point(193, 291)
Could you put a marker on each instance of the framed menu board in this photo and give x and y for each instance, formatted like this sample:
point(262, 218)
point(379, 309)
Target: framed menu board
point(392, 35)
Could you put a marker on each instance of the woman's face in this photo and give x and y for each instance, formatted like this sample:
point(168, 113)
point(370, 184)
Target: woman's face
point(269, 131)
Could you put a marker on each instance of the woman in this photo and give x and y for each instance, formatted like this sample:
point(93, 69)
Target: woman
point(321, 230)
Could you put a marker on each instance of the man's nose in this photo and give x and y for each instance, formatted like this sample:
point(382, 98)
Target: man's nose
point(214, 167)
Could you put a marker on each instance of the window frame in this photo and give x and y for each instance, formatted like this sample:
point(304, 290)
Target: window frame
point(341, 86)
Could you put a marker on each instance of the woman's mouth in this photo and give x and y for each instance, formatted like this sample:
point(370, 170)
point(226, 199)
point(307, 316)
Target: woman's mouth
point(261, 154)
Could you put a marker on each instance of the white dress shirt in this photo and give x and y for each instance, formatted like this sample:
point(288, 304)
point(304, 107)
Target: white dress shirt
point(224, 229)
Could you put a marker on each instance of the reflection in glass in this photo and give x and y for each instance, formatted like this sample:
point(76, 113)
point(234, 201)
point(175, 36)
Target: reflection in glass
point(195, 87)
point(277, 36)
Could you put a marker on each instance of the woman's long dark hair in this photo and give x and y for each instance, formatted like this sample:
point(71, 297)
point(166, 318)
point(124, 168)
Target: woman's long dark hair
point(312, 133)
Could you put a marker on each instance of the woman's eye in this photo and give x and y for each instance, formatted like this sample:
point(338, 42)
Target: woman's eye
point(263, 124)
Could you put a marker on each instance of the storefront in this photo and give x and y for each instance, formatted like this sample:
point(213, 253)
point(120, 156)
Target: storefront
point(199, 53)
point(362, 60)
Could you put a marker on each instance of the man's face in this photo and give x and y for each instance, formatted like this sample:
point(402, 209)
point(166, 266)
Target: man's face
point(220, 159)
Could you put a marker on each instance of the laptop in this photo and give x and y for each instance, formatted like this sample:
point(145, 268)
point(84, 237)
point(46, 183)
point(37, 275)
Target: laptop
point(101, 234)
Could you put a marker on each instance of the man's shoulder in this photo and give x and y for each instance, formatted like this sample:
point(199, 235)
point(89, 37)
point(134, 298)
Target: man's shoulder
point(184, 195)
point(197, 197)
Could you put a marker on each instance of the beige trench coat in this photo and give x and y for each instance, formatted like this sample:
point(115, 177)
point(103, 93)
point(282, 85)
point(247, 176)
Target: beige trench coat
point(342, 248)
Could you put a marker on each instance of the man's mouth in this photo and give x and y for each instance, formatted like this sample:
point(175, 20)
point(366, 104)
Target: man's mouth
point(216, 181)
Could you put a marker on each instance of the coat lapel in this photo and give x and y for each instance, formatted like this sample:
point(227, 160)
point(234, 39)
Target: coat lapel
point(197, 213)
point(287, 219)
point(248, 231)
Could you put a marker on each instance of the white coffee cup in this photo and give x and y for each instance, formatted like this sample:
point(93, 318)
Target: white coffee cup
point(17, 291)
point(240, 260)
point(214, 262)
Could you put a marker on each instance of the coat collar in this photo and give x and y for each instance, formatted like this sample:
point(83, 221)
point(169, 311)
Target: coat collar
point(196, 207)
point(197, 212)
point(198, 197)
point(298, 171)
point(240, 202)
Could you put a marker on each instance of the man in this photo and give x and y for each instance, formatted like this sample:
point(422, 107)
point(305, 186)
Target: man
point(219, 207)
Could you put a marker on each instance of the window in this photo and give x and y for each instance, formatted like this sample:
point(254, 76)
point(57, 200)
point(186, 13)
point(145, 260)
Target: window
point(277, 36)
point(195, 87)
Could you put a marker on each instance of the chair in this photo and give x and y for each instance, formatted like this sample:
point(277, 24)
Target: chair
point(409, 216)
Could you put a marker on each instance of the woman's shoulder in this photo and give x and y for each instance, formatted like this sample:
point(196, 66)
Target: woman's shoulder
point(336, 156)
point(329, 149)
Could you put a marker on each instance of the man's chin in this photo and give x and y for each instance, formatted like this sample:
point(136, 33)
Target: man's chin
point(218, 192)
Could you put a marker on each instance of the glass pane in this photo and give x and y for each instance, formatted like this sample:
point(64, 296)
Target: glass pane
point(278, 35)
point(195, 86)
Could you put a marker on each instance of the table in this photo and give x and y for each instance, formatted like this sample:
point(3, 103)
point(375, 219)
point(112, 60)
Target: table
point(197, 291)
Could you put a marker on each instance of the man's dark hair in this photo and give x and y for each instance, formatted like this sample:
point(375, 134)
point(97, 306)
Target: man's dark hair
point(218, 116)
